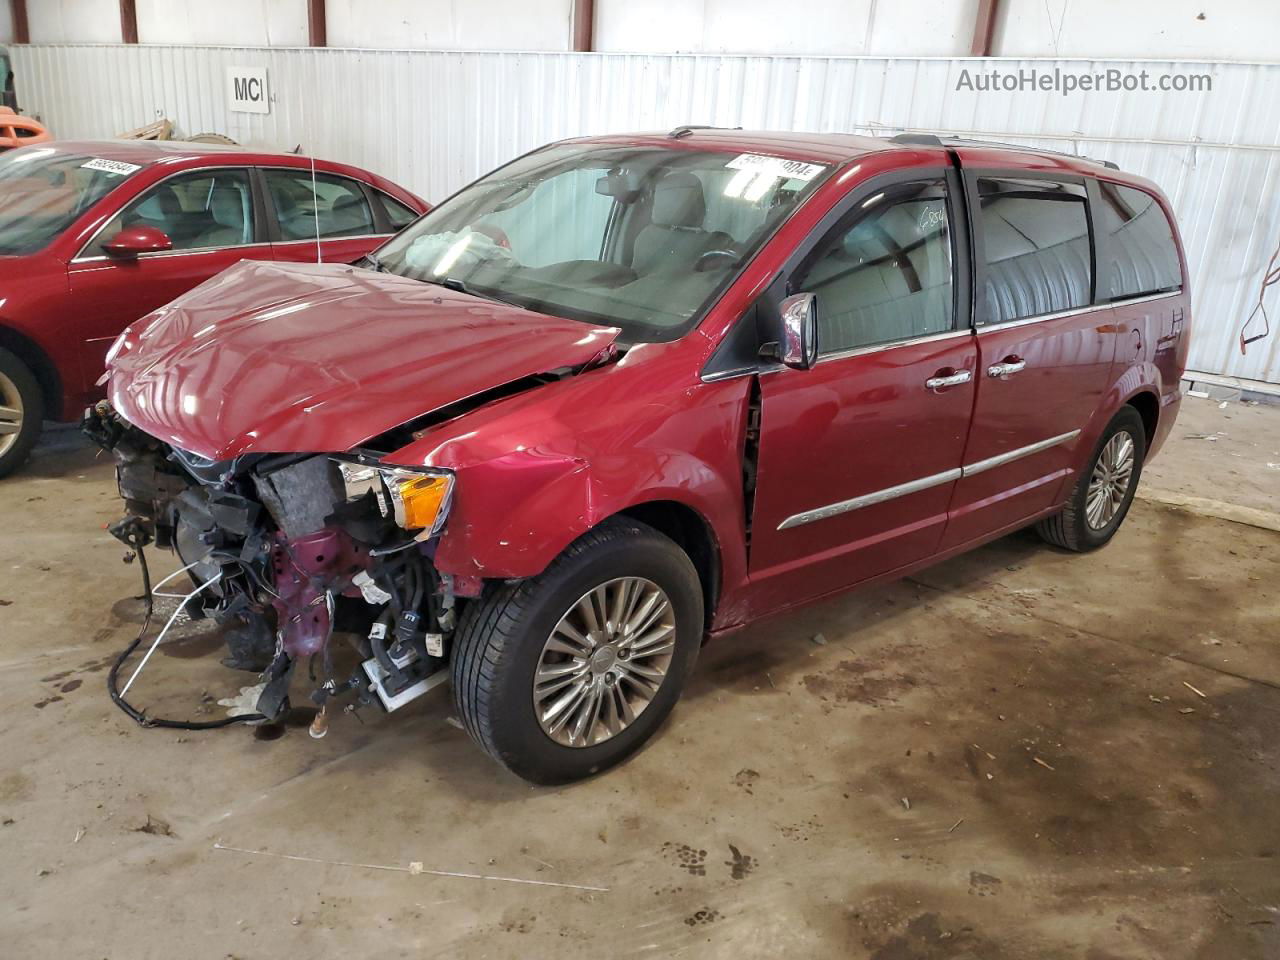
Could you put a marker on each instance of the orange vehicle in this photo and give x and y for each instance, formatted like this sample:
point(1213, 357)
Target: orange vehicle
point(19, 131)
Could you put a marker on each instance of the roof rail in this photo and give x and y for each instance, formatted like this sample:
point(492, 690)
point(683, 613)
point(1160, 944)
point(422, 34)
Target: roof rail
point(919, 139)
point(687, 129)
point(933, 140)
point(969, 142)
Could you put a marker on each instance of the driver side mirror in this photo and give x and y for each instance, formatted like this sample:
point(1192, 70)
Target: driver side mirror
point(132, 241)
point(798, 340)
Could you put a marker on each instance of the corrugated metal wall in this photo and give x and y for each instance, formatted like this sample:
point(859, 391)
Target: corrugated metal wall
point(435, 120)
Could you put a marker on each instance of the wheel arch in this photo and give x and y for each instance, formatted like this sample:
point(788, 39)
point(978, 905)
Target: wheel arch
point(38, 362)
point(693, 533)
point(1148, 406)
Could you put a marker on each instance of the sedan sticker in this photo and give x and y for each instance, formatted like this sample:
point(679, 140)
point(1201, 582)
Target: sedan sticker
point(776, 166)
point(117, 168)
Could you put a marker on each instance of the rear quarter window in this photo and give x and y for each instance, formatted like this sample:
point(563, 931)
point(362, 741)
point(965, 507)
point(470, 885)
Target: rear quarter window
point(1142, 257)
point(400, 215)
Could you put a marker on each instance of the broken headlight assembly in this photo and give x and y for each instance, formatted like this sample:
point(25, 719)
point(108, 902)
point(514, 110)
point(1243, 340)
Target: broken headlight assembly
point(417, 500)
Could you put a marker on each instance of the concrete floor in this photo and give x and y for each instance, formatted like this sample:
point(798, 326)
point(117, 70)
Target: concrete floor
point(1020, 753)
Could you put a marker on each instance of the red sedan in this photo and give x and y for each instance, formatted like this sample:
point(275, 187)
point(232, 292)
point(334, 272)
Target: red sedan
point(95, 234)
point(627, 392)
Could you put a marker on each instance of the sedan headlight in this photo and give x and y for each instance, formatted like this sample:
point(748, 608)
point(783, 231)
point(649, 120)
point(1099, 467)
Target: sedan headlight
point(417, 499)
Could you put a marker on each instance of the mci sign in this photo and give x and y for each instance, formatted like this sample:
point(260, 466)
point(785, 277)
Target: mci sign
point(247, 90)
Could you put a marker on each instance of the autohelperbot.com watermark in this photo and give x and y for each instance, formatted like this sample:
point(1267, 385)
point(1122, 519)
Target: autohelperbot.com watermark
point(1067, 82)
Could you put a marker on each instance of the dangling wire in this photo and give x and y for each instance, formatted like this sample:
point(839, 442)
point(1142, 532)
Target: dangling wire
point(1271, 277)
point(134, 540)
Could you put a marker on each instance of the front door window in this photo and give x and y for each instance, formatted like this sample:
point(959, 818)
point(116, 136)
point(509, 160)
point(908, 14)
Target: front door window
point(885, 277)
point(198, 211)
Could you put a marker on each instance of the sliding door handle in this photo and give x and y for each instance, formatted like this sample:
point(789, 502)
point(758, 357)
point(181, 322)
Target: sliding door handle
point(941, 380)
point(1007, 367)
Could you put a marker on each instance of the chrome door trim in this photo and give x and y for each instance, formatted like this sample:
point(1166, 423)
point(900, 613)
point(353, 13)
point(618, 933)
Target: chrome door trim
point(324, 239)
point(839, 355)
point(1042, 317)
point(1075, 311)
point(869, 499)
point(890, 344)
point(924, 483)
point(729, 374)
point(1126, 301)
point(186, 252)
point(1000, 459)
point(234, 246)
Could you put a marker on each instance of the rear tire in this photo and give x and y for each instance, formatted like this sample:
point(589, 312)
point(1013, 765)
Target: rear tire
point(1098, 504)
point(517, 633)
point(21, 412)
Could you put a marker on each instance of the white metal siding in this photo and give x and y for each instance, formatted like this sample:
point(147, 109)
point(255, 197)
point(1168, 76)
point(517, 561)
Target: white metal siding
point(435, 120)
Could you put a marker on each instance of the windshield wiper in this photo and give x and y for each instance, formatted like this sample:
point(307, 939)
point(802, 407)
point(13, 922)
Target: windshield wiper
point(373, 263)
point(453, 283)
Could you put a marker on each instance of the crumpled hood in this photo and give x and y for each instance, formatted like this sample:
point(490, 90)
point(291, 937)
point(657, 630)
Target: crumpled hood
point(276, 358)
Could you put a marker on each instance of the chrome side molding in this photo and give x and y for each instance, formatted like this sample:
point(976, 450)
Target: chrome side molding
point(924, 483)
point(869, 499)
point(1000, 459)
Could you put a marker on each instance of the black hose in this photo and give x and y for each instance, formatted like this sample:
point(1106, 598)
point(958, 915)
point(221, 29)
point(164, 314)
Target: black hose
point(138, 716)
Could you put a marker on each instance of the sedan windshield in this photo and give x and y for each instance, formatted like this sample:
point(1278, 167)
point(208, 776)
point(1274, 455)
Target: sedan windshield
point(43, 191)
point(642, 238)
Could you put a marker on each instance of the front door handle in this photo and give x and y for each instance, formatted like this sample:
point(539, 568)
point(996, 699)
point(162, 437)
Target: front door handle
point(1007, 367)
point(941, 379)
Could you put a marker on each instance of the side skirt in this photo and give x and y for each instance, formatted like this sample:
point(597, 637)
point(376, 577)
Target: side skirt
point(898, 572)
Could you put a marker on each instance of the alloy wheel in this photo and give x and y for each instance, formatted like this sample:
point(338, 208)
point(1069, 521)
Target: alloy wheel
point(604, 662)
point(10, 414)
point(1109, 483)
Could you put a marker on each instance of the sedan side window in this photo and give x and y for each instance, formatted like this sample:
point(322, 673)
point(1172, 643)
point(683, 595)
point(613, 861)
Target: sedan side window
point(324, 205)
point(1038, 255)
point(887, 275)
point(399, 214)
point(205, 210)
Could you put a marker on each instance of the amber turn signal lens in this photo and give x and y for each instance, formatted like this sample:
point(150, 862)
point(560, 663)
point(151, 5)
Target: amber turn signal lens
point(421, 501)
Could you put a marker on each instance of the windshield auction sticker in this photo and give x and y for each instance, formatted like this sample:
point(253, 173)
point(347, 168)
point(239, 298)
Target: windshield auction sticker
point(776, 166)
point(117, 168)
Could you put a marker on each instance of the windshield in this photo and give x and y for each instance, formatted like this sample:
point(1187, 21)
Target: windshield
point(43, 191)
point(642, 238)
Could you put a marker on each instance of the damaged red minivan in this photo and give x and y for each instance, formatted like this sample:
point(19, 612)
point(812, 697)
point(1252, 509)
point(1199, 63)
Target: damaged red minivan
point(629, 392)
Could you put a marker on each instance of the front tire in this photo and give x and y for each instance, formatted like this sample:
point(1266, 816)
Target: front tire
point(1104, 489)
point(565, 674)
point(21, 412)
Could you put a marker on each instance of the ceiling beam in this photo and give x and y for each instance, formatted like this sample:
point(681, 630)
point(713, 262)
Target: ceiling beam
point(128, 21)
point(21, 31)
point(317, 32)
point(584, 26)
point(984, 28)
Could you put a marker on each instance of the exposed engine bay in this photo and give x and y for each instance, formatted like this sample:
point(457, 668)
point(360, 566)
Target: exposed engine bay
point(283, 549)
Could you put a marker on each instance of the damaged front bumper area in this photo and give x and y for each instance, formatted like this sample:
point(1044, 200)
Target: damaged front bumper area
point(284, 550)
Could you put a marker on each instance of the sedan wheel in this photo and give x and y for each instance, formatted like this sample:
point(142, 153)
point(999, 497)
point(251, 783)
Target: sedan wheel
point(21, 412)
point(11, 407)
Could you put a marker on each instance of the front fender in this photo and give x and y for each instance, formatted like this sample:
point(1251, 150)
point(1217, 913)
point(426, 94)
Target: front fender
point(515, 514)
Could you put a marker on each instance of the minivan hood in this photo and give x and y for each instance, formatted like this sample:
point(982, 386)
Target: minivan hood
point(276, 358)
